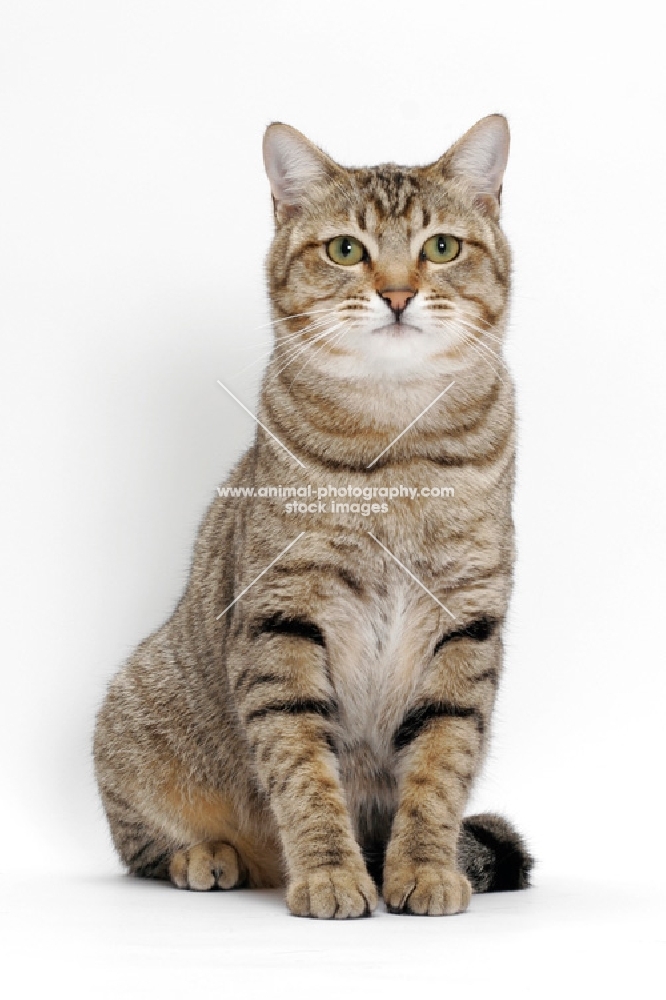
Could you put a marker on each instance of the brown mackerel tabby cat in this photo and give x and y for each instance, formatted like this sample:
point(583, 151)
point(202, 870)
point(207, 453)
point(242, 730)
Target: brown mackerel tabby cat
point(315, 710)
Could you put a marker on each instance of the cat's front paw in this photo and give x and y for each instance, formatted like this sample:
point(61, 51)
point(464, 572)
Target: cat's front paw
point(207, 866)
point(428, 890)
point(333, 891)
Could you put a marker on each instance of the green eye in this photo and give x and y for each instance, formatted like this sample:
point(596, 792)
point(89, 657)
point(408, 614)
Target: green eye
point(345, 250)
point(441, 249)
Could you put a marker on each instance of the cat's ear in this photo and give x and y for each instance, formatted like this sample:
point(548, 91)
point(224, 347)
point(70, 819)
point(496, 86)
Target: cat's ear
point(294, 166)
point(480, 158)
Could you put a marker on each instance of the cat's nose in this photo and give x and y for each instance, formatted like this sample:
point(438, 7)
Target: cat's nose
point(397, 298)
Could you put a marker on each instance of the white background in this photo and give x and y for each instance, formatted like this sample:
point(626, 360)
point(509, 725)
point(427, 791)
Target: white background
point(135, 218)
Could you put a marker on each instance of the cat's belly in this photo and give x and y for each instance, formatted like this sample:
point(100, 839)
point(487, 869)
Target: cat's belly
point(371, 795)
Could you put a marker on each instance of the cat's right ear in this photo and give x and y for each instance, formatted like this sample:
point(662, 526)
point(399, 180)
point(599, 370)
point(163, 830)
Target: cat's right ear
point(479, 157)
point(294, 166)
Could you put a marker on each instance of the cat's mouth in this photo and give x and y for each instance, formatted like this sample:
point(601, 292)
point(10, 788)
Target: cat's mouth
point(397, 329)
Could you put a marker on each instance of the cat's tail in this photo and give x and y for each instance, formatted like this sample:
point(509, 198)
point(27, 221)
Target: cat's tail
point(493, 855)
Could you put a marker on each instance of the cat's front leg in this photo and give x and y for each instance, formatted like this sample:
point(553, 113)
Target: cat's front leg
point(439, 748)
point(287, 706)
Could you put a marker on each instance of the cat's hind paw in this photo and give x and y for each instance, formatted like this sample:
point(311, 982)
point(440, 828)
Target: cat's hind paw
point(426, 890)
point(333, 892)
point(207, 866)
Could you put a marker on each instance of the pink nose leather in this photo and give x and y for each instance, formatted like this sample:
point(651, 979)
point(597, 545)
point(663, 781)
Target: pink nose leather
point(397, 298)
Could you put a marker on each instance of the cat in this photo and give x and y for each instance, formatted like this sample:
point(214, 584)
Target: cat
point(315, 710)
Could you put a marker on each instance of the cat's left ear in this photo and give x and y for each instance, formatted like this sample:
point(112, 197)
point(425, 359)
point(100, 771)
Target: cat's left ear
point(295, 166)
point(480, 157)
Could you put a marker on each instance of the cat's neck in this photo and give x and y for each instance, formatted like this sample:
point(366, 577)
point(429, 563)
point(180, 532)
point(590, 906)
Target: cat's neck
point(348, 423)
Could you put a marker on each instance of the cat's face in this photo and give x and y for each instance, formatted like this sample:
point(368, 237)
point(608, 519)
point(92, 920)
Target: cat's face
point(388, 271)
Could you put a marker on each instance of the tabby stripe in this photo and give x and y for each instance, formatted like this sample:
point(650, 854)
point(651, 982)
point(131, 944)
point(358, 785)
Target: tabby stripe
point(472, 461)
point(486, 675)
point(152, 866)
point(419, 718)
point(500, 276)
point(478, 244)
point(352, 582)
point(293, 257)
point(323, 460)
point(240, 680)
point(487, 314)
point(329, 568)
point(282, 624)
point(480, 413)
point(307, 304)
point(117, 800)
point(132, 825)
point(262, 679)
point(294, 767)
point(478, 630)
point(301, 706)
point(142, 850)
point(499, 451)
point(329, 856)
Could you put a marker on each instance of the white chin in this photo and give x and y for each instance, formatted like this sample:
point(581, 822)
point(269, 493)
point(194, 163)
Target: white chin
point(397, 349)
point(397, 331)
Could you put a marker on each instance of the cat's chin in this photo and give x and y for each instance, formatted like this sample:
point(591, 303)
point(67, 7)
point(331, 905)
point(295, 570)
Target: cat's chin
point(405, 353)
point(396, 367)
point(401, 330)
point(398, 363)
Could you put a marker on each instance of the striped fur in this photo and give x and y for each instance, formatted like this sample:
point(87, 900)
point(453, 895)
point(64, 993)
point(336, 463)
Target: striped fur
point(324, 733)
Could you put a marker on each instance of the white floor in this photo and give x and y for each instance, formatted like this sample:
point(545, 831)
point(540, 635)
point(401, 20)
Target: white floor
point(119, 937)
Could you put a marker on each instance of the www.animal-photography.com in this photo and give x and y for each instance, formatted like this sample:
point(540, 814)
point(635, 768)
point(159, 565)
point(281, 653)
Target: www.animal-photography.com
point(333, 459)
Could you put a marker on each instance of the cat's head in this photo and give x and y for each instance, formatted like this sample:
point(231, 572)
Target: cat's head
point(394, 271)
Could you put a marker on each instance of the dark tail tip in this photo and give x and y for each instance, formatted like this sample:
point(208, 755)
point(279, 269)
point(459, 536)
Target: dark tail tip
point(493, 854)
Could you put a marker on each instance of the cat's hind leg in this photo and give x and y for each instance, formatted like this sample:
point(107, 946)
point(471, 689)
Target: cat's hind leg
point(208, 866)
point(204, 848)
point(144, 851)
point(176, 811)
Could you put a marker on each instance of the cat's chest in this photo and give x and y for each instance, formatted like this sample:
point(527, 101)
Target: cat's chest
point(377, 665)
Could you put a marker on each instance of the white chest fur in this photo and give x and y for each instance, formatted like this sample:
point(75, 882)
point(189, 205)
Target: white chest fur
point(379, 659)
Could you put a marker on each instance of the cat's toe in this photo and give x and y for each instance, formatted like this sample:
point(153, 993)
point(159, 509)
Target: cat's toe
point(206, 866)
point(334, 892)
point(427, 890)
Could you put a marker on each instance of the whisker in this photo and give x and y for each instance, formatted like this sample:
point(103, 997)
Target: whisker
point(299, 350)
point(281, 338)
point(294, 351)
point(303, 350)
point(322, 318)
point(488, 332)
point(306, 329)
point(280, 342)
point(333, 313)
point(285, 319)
point(475, 347)
point(278, 338)
point(485, 347)
point(343, 324)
